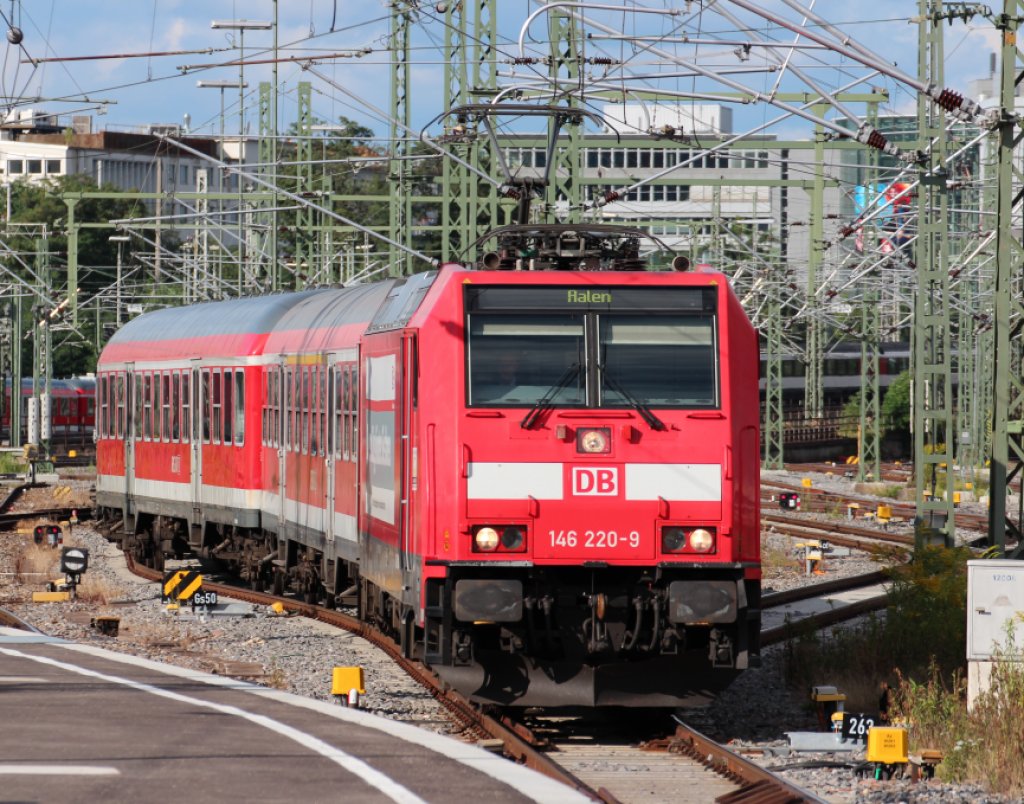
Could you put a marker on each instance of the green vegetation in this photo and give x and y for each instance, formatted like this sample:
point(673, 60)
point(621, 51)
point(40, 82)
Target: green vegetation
point(41, 204)
point(11, 463)
point(895, 410)
point(985, 744)
point(925, 625)
point(918, 646)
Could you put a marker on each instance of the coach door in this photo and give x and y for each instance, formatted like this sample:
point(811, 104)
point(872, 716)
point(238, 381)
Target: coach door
point(284, 444)
point(332, 451)
point(130, 429)
point(407, 450)
point(196, 445)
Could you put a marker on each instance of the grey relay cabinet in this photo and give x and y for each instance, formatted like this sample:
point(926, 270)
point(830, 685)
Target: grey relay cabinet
point(995, 608)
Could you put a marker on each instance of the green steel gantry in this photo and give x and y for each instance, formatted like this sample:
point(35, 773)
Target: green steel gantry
point(1007, 380)
point(400, 208)
point(933, 414)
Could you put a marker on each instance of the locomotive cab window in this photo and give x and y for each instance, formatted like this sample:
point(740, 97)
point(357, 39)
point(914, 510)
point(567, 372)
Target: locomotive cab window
point(658, 360)
point(518, 359)
point(607, 347)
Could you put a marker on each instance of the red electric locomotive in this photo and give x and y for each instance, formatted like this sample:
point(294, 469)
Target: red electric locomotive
point(543, 481)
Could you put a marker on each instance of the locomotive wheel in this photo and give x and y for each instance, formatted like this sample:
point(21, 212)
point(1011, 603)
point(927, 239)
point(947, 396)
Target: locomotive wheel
point(278, 583)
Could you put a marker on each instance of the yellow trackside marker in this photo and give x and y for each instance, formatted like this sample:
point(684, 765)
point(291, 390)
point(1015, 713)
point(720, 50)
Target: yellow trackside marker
point(50, 597)
point(806, 482)
point(181, 584)
point(887, 745)
point(345, 679)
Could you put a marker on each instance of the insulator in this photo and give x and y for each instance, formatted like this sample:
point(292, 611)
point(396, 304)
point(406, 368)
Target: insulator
point(949, 100)
point(601, 60)
point(845, 232)
point(525, 60)
point(876, 140)
point(611, 195)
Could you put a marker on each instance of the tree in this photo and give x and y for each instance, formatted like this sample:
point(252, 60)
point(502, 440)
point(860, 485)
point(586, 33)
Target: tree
point(350, 165)
point(40, 204)
point(896, 412)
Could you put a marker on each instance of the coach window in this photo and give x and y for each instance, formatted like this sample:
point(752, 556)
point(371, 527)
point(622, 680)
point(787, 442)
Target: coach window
point(204, 405)
point(119, 385)
point(338, 395)
point(165, 402)
point(323, 420)
point(265, 418)
point(137, 409)
point(353, 419)
point(147, 406)
point(229, 405)
point(666, 360)
point(347, 393)
point(311, 443)
point(314, 396)
point(304, 402)
point(186, 406)
point(156, 405)
point(275, 388)
point(216, 406)
point(103, 424)
point(289, 407)
point(239, 407)
point(175, 406)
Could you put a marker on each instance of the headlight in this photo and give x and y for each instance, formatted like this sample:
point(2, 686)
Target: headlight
point(673, 540)
point(701, 540)
point(486, 539)
point(594, 440)
point(512, 538)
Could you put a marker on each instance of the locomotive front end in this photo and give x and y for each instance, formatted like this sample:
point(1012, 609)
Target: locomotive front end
point(606, 547)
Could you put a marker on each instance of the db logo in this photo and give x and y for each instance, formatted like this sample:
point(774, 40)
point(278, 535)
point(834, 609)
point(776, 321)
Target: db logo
point(595, 481)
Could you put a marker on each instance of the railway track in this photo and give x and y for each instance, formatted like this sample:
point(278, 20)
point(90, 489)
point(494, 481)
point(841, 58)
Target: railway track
point(815, 500)
point(681, 759)
point(844, 534)
point(817, 606)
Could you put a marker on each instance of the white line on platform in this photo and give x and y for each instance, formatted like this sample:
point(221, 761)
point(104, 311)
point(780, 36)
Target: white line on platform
point(57, 770)
point(353, 765)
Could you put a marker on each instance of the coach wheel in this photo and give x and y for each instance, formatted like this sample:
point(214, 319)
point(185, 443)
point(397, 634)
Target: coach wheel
point(311, 596)
point(278, 583)
point(158, 560)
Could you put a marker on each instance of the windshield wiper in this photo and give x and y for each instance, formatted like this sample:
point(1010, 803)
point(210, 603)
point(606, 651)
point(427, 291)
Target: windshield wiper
point(645, 412)
point(545, 402)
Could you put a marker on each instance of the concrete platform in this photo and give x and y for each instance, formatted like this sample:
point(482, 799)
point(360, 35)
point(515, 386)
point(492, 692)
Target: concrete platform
point(84, 724)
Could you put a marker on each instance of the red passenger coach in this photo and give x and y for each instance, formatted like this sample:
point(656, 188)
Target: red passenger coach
point(543, 482)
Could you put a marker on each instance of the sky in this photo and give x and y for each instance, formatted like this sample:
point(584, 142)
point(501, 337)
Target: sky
point(349, 39)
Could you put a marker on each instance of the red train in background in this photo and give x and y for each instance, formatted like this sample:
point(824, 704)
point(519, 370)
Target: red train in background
point(542, 476)
point(72, 413)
